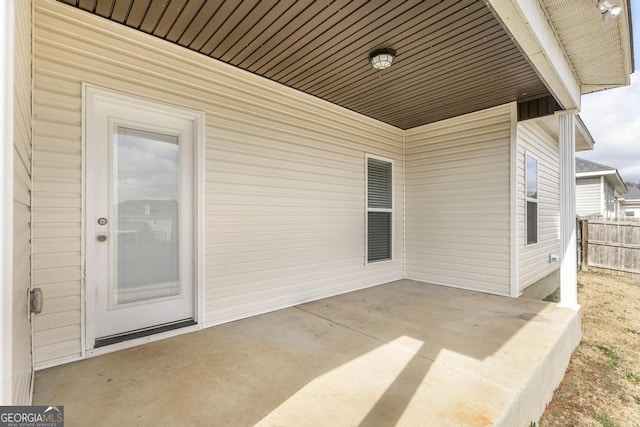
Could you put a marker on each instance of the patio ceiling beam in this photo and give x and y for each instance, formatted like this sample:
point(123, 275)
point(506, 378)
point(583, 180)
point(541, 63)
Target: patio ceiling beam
point(527, 23)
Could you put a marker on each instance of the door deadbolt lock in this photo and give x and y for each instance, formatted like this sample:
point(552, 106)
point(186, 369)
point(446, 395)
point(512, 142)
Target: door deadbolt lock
point(101, 238)
point(102, 221)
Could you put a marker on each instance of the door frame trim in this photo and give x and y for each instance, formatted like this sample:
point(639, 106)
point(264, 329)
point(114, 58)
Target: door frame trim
point(199, 136)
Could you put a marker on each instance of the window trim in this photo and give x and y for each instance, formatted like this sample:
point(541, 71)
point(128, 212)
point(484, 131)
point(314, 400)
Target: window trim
point(367, 209)
point(528, 199)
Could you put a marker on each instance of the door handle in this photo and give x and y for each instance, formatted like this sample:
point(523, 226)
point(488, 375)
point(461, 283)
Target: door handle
point(101, 237)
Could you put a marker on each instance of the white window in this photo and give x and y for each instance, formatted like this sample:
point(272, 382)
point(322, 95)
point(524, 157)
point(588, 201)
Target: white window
point(379, 206)
point(531, 189)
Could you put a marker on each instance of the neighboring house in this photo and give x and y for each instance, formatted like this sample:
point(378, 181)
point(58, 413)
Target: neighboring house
point(630, 202)
point(598, 188)
point(300, 172)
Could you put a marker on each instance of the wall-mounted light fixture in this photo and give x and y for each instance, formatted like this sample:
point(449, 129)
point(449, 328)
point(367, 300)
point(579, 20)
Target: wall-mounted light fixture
point(382, 58)
point(609, 10)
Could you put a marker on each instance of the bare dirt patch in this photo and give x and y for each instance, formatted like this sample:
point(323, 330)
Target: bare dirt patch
point(602, 384)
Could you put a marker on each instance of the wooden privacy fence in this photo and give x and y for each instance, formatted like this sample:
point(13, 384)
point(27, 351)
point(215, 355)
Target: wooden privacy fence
point(611, 245)
point(579, 242)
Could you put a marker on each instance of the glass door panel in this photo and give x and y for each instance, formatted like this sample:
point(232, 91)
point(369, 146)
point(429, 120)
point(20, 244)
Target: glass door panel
point(144, 216)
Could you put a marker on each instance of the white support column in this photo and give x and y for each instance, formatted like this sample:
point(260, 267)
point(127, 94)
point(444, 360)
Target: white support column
point(514, 291)
point(6, 202)
point(569, 261)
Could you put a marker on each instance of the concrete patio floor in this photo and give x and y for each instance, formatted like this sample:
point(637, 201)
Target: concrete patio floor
point(404, 353)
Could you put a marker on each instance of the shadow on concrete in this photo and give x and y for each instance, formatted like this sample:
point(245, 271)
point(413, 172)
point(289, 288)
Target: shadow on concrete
point(396, 398)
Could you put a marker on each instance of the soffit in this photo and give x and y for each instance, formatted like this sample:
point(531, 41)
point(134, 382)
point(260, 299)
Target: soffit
point(599, 53)
point(453, 57)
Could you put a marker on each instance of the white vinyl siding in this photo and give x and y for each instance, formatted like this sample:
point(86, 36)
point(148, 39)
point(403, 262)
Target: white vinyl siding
point(533, 260)
point(21, 345)
point(284, 180)
point(631, 208)
point(588, 196)
point(457, 201)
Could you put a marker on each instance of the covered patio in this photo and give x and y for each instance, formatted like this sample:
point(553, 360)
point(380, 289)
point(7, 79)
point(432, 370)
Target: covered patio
point(402, 353)
point(350, 245)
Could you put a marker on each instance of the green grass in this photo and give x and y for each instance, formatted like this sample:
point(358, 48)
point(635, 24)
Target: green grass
point(633, 378)
point(605, 421)
point(553, 297)
point(614, 359)
point(632, 331)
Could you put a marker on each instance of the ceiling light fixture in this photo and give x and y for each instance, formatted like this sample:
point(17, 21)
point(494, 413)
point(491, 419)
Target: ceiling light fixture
point(609, 10)
point(381, 59)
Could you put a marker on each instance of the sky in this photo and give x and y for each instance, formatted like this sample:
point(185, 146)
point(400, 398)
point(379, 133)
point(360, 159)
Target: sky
point(147, 166)
point(613, 118)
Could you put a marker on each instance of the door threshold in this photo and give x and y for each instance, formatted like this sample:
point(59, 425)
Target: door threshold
point(140, 333)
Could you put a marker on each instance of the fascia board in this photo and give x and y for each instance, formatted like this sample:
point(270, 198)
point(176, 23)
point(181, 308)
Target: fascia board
point(527, 23)
point(585, 137)
point(596, 173)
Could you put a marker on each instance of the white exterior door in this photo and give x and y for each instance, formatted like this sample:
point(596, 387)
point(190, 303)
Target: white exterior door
point(140, 210)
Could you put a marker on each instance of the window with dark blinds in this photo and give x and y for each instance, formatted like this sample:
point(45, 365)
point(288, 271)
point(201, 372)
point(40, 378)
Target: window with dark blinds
point(531, 194)
point(379, 184)
point(532, 222)
point(379, 209)
point(379, 236)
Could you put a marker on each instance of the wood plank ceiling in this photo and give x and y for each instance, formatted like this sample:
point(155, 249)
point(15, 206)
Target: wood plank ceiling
point(454, 57)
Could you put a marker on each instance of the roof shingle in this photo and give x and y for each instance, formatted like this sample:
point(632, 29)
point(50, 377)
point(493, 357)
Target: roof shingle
point(583, 166)
point(633, 193)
